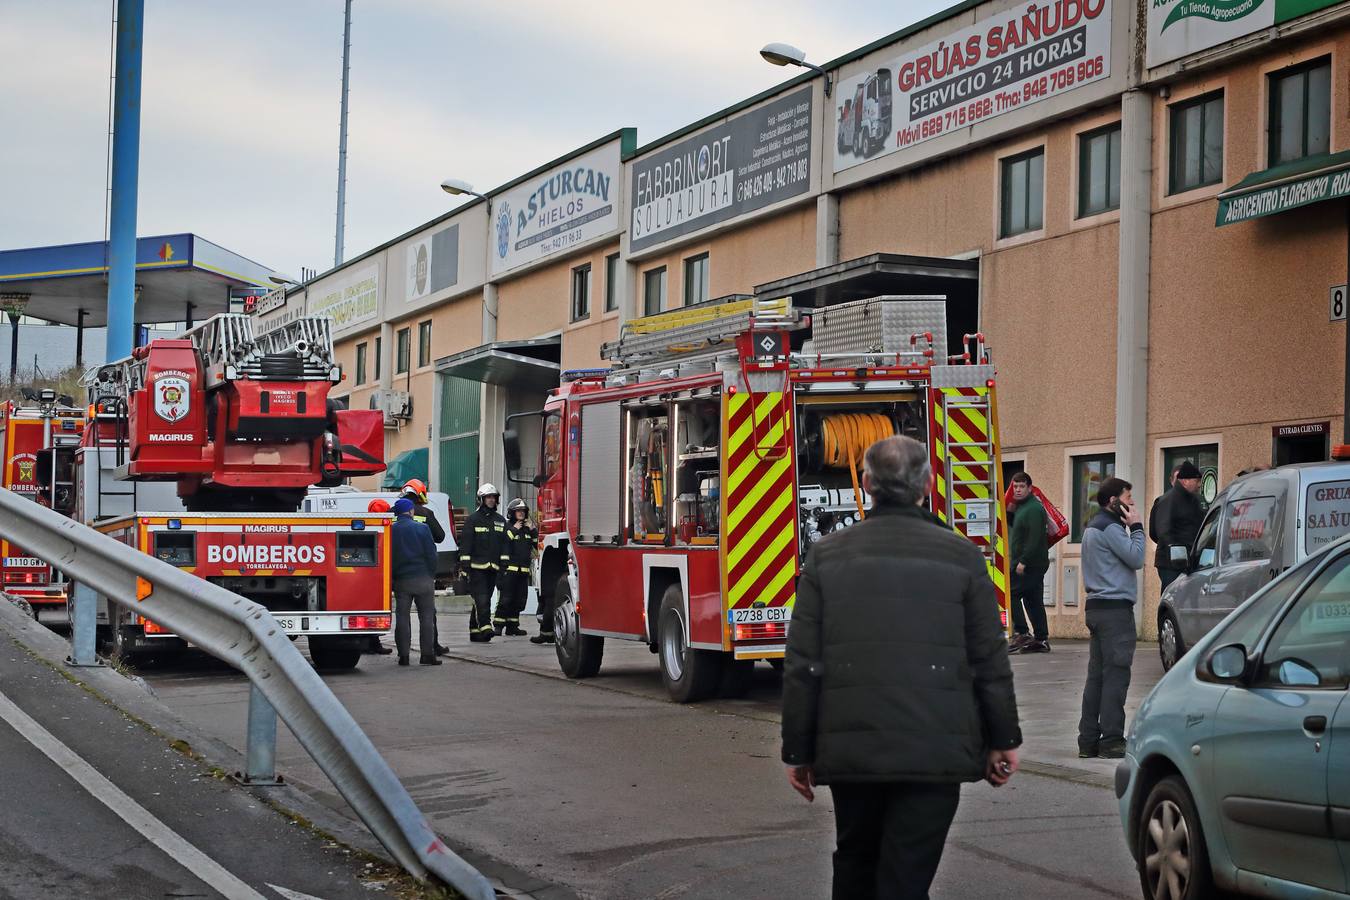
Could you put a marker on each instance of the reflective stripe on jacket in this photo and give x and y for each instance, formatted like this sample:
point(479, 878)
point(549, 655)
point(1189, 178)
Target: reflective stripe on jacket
point(482, 540)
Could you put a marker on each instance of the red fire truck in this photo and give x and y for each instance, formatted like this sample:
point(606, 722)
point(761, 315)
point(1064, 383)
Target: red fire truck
point(679, 490)
point(37, 445)
point(199, 451)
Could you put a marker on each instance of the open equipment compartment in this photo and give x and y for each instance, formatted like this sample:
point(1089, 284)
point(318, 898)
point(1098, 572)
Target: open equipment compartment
point(833, 432)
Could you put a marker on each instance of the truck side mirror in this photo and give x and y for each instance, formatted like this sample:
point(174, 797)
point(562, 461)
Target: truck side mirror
point(1179, 556)
point(511, 450)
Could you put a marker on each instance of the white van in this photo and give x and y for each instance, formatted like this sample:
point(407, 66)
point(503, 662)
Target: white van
point(1258, 526)
point(346, 500)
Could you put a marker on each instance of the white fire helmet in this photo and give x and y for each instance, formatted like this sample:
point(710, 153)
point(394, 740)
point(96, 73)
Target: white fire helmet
point(487, 489)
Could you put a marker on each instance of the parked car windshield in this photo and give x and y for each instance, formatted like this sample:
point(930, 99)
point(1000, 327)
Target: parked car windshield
point(1206, 543)
point(1308, 647)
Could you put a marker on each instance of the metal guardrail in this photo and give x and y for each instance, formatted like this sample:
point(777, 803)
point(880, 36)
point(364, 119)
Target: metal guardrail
point(243, 634)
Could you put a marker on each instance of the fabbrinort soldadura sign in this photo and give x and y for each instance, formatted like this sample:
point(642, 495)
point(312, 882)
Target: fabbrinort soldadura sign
point(747, 163)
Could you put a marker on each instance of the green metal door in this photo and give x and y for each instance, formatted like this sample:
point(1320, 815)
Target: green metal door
point(460, 417)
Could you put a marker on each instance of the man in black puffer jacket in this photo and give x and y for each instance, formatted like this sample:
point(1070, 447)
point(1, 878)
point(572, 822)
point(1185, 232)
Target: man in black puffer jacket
point(896, 686)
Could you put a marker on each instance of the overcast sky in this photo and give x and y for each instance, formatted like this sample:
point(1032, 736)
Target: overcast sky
point(240, 100)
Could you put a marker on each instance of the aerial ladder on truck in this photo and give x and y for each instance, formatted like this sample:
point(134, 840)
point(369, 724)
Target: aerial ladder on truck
point(740, 429)
point(199, 450)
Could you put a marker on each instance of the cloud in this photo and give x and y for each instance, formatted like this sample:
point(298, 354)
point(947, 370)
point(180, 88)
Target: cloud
point(240, 104)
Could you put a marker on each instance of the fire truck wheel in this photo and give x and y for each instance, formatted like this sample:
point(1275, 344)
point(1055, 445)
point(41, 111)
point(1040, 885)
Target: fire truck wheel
point(334, 653)
point(737, 677)
point(690, 675)
point(119, 640)
point(579, 655)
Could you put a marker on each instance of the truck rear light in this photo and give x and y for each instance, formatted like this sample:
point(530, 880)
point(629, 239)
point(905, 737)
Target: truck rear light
point(25, 578)
point(760, 631)
point(152, 628)
point(366, 623)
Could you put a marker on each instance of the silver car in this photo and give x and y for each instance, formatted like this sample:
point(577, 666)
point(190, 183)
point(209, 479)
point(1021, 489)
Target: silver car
point(1256, 528)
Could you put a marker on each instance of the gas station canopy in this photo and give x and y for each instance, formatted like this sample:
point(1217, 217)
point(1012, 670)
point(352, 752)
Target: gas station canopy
point(179, 278)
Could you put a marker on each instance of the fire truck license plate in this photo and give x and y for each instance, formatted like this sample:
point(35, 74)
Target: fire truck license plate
point(759, 614)
point(289, 623)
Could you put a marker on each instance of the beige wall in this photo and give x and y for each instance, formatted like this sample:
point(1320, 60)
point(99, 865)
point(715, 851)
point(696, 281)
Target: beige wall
point(764, 250)
point(540, 301)
point(1238, 332)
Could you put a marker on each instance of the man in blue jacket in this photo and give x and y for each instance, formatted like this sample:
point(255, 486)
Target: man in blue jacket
point(1113, 551)
point(414, 583)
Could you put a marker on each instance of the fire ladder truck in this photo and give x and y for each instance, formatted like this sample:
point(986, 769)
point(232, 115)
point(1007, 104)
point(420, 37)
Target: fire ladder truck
point(680, 489)
point(38, 439)
point(199, 451)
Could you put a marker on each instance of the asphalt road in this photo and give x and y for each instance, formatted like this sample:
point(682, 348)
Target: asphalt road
point(75, 769)
point(607, 790)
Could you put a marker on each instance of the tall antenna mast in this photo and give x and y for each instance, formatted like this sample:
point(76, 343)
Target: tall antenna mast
point(342, 138)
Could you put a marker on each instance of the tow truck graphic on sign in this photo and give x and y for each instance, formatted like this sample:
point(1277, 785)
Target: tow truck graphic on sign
point(171, 398)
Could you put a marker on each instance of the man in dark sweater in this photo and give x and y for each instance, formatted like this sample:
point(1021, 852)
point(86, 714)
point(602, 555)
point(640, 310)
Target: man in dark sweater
point(1030, 546)
point(416, 491)
point(896, 683)
point(1113, 551)
point(414, 583)
point(1175, 521)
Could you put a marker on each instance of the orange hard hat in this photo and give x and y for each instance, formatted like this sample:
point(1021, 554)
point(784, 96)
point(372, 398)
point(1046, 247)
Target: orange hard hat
point(416, 486)
point(379, 504)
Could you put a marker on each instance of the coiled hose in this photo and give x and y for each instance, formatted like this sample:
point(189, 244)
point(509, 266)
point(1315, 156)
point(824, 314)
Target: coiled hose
point(845, 437)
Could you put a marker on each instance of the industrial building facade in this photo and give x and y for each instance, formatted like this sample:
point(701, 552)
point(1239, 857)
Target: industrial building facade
point(1141, 207)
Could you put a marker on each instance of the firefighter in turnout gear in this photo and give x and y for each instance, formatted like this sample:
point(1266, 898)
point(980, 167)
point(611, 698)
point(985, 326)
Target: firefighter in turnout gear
point(514, 583)
point(482, 551)
point(416, 491)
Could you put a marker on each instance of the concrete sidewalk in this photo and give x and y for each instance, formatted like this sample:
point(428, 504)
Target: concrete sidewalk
point(63, 825)
point(1049, 689)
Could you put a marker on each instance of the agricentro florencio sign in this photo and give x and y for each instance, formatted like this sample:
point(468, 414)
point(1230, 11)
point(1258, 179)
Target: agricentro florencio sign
point(1178, 28)
point(1278, 198)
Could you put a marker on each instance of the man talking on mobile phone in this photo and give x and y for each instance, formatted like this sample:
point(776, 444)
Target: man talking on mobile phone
point(1113, 551)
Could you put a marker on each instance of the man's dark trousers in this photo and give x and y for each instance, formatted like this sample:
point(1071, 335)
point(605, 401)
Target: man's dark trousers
point(890, 837)
point(422, 593)
point(513, 592)
point(1167, 576)
point(482, 582)
point(1110, 655)
point(1028, 589)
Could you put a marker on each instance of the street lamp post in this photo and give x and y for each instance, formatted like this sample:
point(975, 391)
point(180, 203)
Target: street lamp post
point(787, 55)
point(456, 187)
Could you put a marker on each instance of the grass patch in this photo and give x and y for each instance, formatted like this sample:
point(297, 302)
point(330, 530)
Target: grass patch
point(397, 883)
